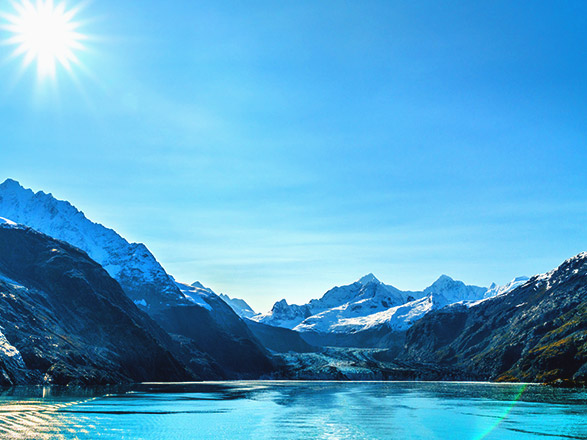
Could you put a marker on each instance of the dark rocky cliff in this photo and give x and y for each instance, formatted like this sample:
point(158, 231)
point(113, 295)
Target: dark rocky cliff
point(70, 321)
point(279, 339)
point(221, 334)
point(535, 333)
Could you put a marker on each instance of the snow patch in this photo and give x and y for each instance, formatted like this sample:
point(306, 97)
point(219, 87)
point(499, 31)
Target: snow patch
point(369, 278)
point(195, 295)
point(10, 351)
point(6, 222)
point(131, 264)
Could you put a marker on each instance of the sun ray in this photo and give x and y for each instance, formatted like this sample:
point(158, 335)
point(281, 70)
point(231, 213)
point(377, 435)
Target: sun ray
point(44, 33)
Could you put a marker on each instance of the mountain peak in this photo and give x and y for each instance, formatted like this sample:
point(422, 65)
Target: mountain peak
point(10, 181)
point(131, 264)
point(369, 278)
point(11, 184)
point(443, 280)
point(200, 287)
point(282, 303)
point(444, 284)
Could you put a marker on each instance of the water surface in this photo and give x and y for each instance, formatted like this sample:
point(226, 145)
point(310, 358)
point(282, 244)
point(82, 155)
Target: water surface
point(296, 410)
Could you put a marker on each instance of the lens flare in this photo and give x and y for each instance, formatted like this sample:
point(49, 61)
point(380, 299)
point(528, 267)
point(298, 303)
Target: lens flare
point(505, 414)
point(44, 33)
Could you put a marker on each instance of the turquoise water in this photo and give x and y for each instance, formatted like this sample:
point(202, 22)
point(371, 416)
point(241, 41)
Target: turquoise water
point(296, 410)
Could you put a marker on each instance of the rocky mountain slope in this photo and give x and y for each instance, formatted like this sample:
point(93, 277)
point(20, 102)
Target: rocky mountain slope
point(226, 338)
point(216, 330)
point(279, 339)
point(536, 332)
point(65, 320)
point(276, 339)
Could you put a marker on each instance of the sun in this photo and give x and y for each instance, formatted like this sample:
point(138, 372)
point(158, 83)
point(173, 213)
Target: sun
point(45, 33)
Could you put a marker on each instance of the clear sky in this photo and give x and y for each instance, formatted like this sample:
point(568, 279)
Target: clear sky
point(274, 149)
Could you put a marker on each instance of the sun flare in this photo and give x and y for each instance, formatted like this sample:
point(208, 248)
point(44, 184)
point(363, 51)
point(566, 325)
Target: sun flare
point(44, 33)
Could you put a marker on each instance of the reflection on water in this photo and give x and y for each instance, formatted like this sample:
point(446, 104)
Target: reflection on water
point(295, 410)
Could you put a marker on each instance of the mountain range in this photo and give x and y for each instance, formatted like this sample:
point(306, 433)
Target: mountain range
point(196, 320)
point(368, 303)
point(80, 304)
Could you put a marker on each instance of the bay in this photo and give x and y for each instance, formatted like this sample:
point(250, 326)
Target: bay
point(296, 410)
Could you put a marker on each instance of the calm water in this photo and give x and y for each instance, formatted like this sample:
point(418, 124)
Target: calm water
point(296, 410)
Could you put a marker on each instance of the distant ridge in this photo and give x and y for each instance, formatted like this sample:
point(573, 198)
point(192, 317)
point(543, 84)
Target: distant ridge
point(240, 306)
point(368, 303)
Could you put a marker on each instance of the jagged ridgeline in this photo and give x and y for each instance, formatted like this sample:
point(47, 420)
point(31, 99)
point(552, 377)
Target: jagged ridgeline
point(369, 313)
point(79, 303)
point(197, 322)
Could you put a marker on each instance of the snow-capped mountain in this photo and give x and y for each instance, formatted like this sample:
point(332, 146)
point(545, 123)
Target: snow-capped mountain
point(141, 276)
point(239, 306)
point(368, 303)
point(285, 315)
point(446, 291)
point(363, 297)
point(196, 293)
point(495, 290)
point(200, 320)
point(366, 293)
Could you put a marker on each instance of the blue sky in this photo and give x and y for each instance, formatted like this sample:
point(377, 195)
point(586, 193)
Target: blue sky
point(275, 149)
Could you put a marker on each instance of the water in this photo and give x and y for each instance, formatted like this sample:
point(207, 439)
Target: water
point(296, 410)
